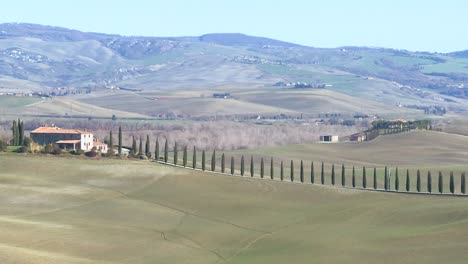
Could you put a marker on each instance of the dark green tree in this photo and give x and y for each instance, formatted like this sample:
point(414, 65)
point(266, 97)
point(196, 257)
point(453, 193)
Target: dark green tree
point(140, 148)
point(418, 181)
point(375, 178)
point(147, 147)
point(292, 171)
point(213, 161)
point(333, 174)
point(194, 158)
point(156, 150)
point(203, 162)
point(111, 144)
point(408, 187)
point(134, 146)
point(343, 175)
point(302, 172)
point(463, 183)
point(282, 171)
point(429, 182)
point(15, 136)
point(251, 166)
point(386, 179)
point(452, 183)
point(322, 174)
point(272, 172)
point(184, 157)
point(176, 153)
point(397, 180)
point(232, 165)
point(441, 183)
point(312, 173)
point(242, 168)
point(262, 168)
point(223, 164)
point(364, 178)
point(166, 152)
point(353, 179)
point(120, 141)
point(21, 133)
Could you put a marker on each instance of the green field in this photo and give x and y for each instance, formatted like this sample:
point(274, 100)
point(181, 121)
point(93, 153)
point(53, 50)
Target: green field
point(62, 210)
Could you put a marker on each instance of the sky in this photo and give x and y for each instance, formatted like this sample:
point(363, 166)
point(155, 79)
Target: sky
point(417, 25)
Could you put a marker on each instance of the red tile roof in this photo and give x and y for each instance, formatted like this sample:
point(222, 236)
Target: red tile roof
point(57, 130)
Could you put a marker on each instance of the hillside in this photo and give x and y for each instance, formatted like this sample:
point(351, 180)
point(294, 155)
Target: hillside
point(104, 212)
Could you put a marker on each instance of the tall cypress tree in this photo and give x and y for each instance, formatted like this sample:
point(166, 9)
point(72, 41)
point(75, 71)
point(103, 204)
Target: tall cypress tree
point(441, 183)
point(452, 183)
point(176, 154)
point(375, 178)
point(364, 178)
point(14, 132)
point(429, 182)
point(397, 180)
point(354, 178)
point(134, 146)
point(463, 183)
point(194, 158)
point(333, 174)
point(140, 148)
point(147, 147)
point(242, 168)
point(418, 181)
point(213, 161)
point(322, 174)
point(272, 172)
point(292, 171)
point(223, 164)
point(282, 171)
point(184, 157)
point(312, 173)
point(343, 175)
point(386, 179)
point(203, 158)
point(111, 144)
point(120, 141)
point(408, 187)
point(251, 166)
point(21, 133)
point(302, 172)
point(262, 168)
point(156, 150)
point(232, 165)
point(166, 152)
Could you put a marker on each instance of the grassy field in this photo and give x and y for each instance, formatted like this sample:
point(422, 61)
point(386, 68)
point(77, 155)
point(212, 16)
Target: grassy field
point(60, 210)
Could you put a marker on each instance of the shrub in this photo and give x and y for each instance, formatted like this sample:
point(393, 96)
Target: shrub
point(22, 149)
point(93, 153)
point(3, 145)
point(56, 151)
point(48, 148)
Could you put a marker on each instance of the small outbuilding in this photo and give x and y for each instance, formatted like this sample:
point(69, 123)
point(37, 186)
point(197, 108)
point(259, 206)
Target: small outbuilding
point(358, 137)
point(329, 138)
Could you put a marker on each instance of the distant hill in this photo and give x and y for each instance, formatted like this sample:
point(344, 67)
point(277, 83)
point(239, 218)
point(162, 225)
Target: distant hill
point(237, 39)
point(460, 54)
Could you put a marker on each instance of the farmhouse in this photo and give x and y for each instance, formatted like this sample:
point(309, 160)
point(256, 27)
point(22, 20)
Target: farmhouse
point(329, 138)
point(72, 139)
point(358, 137)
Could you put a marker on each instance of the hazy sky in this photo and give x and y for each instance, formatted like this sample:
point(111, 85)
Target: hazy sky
point(431, 25)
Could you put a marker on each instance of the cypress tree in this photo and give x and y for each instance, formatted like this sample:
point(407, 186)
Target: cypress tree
point(134, 146)
point(333, 174)
point(223, 164)
point(429, 182)
point(272, 173)
point(213, 161)
point(452, 183)
point(312, 173)
point(232, 165)
point(364, 178)
point(322, 175)
point(21, 133)
point(375, 178)
point(343, 176)
point(203, 157)
point(120, 141)
point(386, 179)
point(156, 150)
point(111, 143)
point(282, 171)
point(302, 172)
point(463, 183)
point(176, 154)
point(397, 180)
point(418, 181)
point(14, 132)
point(17, 132)
point(166, 152)
point(147, 147)
point(251, 166)
point(354, 178)
point(140, 148)
point(292, 171)
point(242, 169)
point(441, 183)
point(262, 168)
point(408, 187)
point(184, 157)
point(194, 158)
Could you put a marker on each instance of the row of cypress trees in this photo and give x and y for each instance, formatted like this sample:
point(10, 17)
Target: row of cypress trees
point(17, 130)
